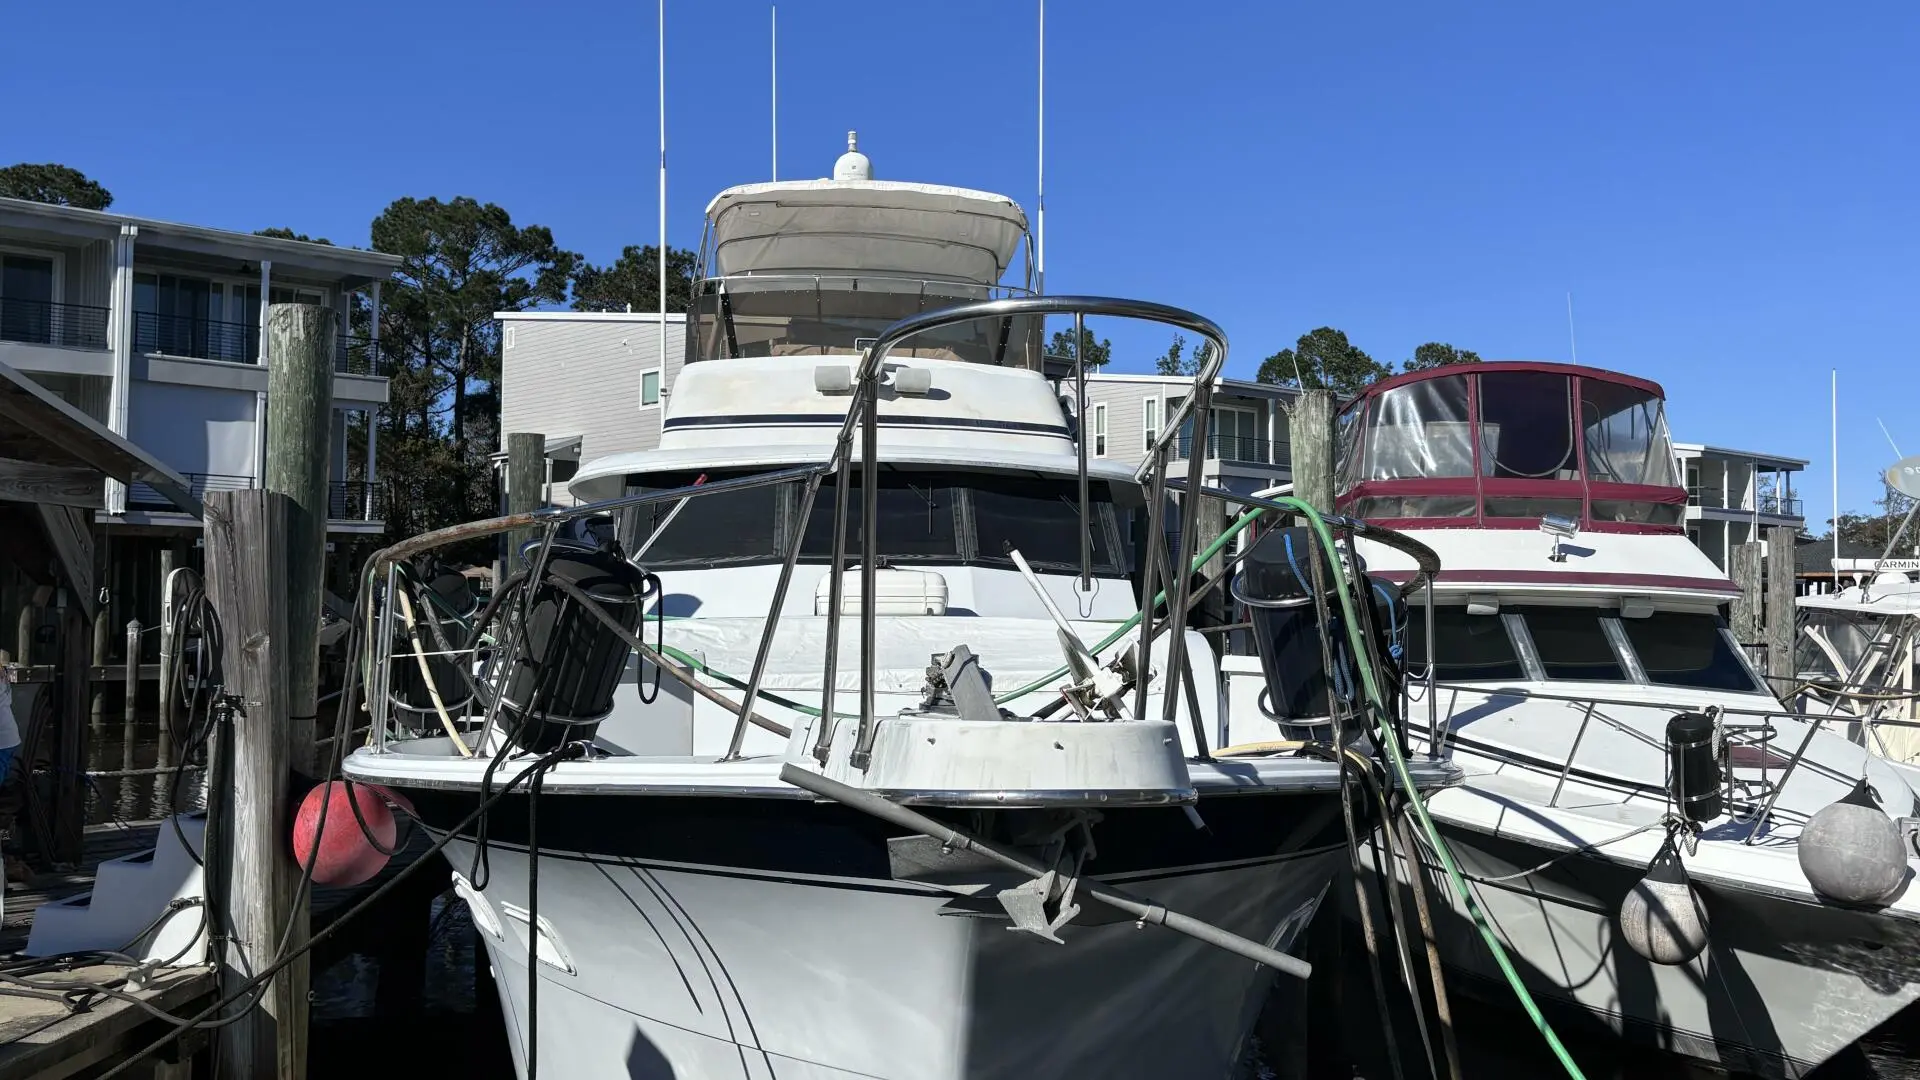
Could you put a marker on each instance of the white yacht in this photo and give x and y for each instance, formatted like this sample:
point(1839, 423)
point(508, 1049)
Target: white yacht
point(1586, 683)
point(1858, 657)
point(773, 841)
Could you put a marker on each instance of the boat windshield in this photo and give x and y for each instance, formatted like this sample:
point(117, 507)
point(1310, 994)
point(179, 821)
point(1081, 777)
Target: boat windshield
point(925, 517)
point(818, 315)
point(1584, 644)
point(1511, 443)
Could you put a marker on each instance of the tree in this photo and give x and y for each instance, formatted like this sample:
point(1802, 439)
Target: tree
point(1323, 359)
point(1435, 354)
point(281, 233)
point(1176, 361)
point(56, 184)
point(463, 261)
point(632, 282)
point(1097, 352)
point(1872, 531)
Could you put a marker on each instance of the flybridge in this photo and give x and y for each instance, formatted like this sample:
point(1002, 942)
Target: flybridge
point(1502, 445)
point(815, 267)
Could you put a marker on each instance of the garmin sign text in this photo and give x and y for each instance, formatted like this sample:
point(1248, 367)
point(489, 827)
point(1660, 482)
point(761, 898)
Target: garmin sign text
point(1904, 476)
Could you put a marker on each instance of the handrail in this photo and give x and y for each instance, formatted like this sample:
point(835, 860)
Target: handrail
point(427, 541)
point(864, 411)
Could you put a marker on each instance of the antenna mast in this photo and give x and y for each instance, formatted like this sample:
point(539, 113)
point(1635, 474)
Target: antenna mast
point(1040, 230)
point(774, 79)
point(663, 191)
point(1834, 400)
point(1573, 347)
point(774, 82)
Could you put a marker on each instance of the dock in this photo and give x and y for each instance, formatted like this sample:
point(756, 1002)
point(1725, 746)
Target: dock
point(46, 1039)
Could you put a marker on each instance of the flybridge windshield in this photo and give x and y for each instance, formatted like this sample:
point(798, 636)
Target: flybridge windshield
point(815, 315)
point(952, 518)
point(1514, 443)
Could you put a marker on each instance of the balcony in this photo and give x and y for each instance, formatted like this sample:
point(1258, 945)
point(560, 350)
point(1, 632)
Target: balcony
point(1231, 448)
point(195, 339)
point(356, 500)
point(360, 356)
point(142, 497)
point(1780, 506)
point(1714, 498)
point(40, 322)
point(239, 343)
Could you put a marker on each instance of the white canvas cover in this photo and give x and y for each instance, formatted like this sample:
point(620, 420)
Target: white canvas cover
point(865, 226)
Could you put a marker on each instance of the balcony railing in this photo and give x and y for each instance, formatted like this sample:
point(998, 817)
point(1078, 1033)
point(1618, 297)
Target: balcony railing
point(360, 356)
point(142, 497)
point(1780, 506)
point(1713, 498)
point(356, 500)
point(1232, 448)
point(41, 322)
point(196, 339)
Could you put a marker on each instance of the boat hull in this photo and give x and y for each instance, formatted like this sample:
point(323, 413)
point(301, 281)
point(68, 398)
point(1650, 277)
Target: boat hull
point(794, 947)
point(1783, 986)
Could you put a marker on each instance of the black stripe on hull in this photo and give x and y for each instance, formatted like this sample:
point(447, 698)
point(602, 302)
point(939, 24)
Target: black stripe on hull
point(960, 423)
point(813, 840)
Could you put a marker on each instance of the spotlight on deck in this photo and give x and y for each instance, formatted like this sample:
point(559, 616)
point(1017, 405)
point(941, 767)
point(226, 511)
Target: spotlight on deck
point(1561, 528)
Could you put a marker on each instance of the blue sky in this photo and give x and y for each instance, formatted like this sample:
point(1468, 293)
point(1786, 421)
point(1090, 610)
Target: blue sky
point(1727, 190)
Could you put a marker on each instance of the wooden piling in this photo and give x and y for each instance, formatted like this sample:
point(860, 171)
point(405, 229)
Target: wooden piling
point(526, 472)
point(163, 782)
point(300, 347)
point(1779, 607)
point(23, 635)
point(1744, 566)
point(247, 550)
point(70, 754)
point(1312, 442)
point(102, 650)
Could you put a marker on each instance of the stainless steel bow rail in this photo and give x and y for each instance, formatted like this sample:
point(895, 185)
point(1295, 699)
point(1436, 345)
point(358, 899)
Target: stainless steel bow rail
point(862, 418)
point(1757, 795)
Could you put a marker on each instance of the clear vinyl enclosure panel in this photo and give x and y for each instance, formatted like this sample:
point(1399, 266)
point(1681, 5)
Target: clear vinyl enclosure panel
point(837, 314)
point(1500, 442)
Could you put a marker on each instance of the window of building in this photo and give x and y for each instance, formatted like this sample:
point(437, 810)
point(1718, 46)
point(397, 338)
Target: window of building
point(1099, 431)
point(650, 387)
point(1149, 422)
point(26, 299)
point(1236, 435)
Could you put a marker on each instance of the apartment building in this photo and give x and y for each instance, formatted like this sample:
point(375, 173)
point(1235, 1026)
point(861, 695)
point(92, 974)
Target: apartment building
point(1733, 494)
point(593, 383)
point(154, 329)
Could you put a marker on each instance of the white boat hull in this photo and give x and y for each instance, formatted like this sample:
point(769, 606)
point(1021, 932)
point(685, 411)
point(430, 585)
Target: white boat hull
point(708, 971)
point(1783, 986)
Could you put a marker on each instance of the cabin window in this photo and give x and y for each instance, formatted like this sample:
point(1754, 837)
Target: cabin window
point(1473, 648)
point(1688, 649)
point(735, 526)
point(1572, 644)
point(919, 519)
point(1042, 519)
point(1624, 431)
